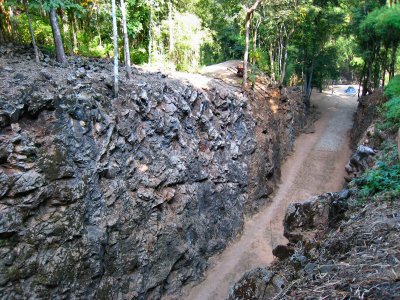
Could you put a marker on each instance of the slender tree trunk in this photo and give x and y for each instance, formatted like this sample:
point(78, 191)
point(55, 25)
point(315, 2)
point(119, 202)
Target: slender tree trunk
point(171, 30)
point(280, 63)
point(398, 142)
point(60, 55)
point(246, 52)
point(12, 22)
point(115, 39)
point(3, 26)
point(393, 61)
point(366, 79)
point(283, 77)
point(2, 40)
point(72, 32)
point(35, 48)
point(75, 33)
point(309, 79)
point(361, 79)
point(64, 36)
point(255, 32)
point(384, 67)
point(272, 61)
point(150, 34)
point(6, 26)
point(127, 55)
point(249, 14)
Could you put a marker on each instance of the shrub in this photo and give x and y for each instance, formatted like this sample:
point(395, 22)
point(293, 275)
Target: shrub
point(383, 181)
point(392, 113)
point(393, 88)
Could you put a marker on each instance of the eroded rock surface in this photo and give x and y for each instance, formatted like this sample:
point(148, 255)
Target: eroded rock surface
point(125, 198)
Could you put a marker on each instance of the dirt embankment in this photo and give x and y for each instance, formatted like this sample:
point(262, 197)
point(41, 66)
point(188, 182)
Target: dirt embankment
point(127, 197)
point(338, 249)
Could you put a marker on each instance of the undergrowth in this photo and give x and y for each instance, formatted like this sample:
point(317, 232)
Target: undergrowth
point(392, 90)
point(392, 114)
point(382, 182)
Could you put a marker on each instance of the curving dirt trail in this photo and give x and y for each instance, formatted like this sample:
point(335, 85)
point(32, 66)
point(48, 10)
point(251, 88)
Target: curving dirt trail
point(315, 167)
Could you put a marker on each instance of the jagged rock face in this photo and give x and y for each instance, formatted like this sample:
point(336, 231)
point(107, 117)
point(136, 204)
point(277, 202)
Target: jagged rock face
point(312, 218)
point(260, 283)
point(125, 198)
point(364, 116)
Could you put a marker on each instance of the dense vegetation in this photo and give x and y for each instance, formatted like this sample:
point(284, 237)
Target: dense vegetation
point(292, 41)
point(382, 181)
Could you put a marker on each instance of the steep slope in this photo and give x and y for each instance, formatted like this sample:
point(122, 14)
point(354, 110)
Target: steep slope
point(127, 197)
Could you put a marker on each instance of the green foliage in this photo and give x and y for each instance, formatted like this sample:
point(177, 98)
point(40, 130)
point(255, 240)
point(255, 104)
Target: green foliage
point(261, 58)
point(392, 114)
point(393, 88)
point(378, 37)
point(383, 181)
point(93, 47)
point(139, 55)
point(189, 36)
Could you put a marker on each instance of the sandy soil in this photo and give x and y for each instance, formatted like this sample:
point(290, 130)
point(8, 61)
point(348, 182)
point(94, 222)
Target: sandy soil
point(315, 167)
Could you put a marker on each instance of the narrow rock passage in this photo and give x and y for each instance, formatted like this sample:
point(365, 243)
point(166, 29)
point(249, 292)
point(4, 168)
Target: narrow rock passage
point(315, 167)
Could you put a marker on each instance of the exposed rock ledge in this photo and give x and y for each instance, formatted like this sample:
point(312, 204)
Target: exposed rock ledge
point(126, 198)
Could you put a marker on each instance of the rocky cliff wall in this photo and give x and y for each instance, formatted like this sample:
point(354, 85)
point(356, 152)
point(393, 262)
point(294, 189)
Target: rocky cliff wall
point(126, 198)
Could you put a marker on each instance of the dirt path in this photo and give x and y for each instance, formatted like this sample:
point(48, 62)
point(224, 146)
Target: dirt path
point(315, 167)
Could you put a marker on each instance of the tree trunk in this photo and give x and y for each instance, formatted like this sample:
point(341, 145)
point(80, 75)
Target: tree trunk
point(398, 142)
point(72, 33)
point(361, 79)
point(255, 32)
point(6, 26)
point(249, 14)
point(272, 60)
point(309, 78)
point(150, 34)
point(65, 33)
point(60, 55)
point(171, 30)
point(2, 40)
point(35, 48)
point(246, 52)
point(366, 80)
point(393, 61)
point(115, 40)
point(283, 77)
point(127, 55)
point(384, 66)
point(12, 22)
point(75, 33)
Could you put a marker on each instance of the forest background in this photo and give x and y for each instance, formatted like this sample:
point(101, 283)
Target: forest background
point(308, 42)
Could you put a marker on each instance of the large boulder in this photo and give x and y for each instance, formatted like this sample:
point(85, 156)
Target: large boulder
point(312, 218)
point(258, 284)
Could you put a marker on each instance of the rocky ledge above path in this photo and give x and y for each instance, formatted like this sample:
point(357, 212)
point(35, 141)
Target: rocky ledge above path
point(125, 197)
